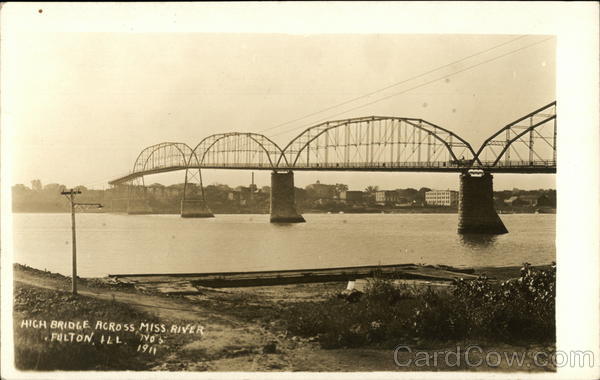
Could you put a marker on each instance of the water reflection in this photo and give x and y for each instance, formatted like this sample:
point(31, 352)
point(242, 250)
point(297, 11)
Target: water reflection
point(477, 240)
point(283, 224)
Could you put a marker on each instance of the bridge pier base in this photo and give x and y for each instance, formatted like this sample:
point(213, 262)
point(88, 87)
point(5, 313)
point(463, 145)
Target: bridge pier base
point(476, 212)
point(283, 199)
point(138, 207)
point(195, 208)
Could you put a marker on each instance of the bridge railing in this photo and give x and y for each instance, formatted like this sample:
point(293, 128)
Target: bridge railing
point(382, 165)
point(518, 164)
point(237, 165)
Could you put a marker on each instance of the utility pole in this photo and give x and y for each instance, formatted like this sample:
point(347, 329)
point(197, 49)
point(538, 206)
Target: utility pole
point(70, 194)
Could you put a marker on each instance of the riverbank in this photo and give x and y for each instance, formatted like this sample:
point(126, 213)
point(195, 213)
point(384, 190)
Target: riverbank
point(243, 329)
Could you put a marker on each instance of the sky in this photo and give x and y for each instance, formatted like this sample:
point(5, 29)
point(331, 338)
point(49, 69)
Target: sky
point(86, 104)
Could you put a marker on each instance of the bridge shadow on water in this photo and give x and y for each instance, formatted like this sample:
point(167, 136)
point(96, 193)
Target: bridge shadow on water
point(478, 240)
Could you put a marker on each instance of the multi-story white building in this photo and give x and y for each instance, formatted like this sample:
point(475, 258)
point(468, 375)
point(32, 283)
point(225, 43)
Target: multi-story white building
point(441, 198)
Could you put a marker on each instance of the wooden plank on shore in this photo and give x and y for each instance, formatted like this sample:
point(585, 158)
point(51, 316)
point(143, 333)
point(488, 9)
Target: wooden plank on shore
point(286, 277)
point(267, 272)
point(438, 274)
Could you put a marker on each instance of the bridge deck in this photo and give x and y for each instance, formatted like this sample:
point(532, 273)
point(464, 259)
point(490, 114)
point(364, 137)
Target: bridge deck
point(537, 167)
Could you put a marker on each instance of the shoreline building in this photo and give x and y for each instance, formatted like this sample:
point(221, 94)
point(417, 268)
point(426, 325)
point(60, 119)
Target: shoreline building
point(441, 198)
point(383, 197)
point(348, 196)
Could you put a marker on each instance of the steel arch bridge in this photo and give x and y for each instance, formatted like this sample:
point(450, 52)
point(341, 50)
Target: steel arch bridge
point(527, 144)
point(374, 143)
point(158, 158)
point(247, 150)
point(378, 143)
point(236, 150)
point(218, 151)
point(163, 157)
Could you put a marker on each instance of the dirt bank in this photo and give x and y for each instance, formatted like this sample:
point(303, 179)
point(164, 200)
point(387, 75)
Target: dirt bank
point(242, 330)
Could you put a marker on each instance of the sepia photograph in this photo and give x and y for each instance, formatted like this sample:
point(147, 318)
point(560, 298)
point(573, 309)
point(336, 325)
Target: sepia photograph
point(212, 198)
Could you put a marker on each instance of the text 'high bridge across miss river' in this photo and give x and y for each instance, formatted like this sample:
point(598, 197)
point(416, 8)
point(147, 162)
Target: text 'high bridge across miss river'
point(374, 143)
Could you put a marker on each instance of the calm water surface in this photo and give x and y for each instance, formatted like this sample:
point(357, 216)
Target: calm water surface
point(109, 243)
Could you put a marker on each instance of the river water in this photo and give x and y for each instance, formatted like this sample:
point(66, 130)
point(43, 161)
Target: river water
point(110, 243)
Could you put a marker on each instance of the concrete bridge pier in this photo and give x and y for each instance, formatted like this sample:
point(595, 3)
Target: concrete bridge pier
point(283, 199)
point(195, 208)
point(476, 212)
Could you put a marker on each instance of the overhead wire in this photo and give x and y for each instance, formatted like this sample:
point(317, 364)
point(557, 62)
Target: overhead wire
point(417, 86)
point(394, 84)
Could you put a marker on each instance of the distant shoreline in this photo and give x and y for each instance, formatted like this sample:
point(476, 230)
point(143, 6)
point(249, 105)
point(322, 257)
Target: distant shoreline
point(371, 212)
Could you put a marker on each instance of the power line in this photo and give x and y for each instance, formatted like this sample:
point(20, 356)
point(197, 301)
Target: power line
point(415, 87)
point(70, 194)
point(393, 85)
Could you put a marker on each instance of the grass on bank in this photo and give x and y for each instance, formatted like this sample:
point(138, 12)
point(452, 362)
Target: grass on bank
point(520, 310)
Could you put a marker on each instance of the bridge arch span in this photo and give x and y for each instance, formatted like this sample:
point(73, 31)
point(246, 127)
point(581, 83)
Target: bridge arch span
point(236, 149)
point(224, 150)
point(378, 143)
point(529, 141)
point(163, 156)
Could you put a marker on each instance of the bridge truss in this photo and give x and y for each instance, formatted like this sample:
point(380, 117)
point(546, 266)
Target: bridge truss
point(225, 151)
point(378, 143)
point(528, 143)
point(374, 143)
point(236, 150)
point(158, 158)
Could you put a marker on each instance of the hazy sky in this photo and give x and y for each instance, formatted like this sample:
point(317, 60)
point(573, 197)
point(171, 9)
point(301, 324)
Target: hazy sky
point(87, 103)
